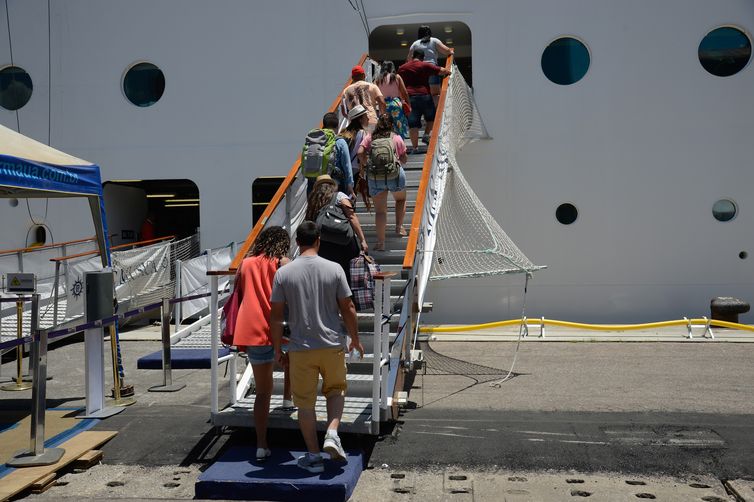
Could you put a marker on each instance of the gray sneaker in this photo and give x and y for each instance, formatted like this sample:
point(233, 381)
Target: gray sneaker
point(333, 447)
point(315, 465)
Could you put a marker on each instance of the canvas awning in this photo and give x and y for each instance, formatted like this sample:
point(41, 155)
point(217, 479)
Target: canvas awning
point(30, 169)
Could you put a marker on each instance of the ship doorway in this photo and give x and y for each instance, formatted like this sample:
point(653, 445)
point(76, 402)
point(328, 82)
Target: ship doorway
point(391, 43)
point(143, 209)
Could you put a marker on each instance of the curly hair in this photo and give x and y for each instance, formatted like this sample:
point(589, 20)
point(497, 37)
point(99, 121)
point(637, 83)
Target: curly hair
point(319, 198)
point(384, 126)
point(273, 242)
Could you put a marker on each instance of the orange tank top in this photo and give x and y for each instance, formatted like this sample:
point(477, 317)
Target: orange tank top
point(253, 322)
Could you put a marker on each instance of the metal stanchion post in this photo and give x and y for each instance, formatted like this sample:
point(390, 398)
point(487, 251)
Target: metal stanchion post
point(167, 377)
point(19, 384)
point(37, 454)
point(118, 399)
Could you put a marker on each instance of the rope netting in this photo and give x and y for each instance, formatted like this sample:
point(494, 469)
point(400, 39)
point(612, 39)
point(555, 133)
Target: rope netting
point(469, 241)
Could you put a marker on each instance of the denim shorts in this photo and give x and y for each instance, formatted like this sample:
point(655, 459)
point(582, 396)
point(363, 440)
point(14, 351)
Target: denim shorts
point(379, 185)
point(421, 105)
point(262, 354)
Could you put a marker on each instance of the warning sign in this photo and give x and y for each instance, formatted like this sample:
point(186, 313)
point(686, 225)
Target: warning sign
point(20, 283)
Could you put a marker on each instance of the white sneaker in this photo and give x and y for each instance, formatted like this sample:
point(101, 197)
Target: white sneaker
point(333, 447)
point(314, 465)
point(262, 454)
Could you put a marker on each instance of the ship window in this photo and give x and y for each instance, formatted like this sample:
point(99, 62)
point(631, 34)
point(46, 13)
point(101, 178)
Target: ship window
point(724, 210)
point(15, 87)
point(565, 61)
point(566, 213)
point(725, 51)
point(144, 84)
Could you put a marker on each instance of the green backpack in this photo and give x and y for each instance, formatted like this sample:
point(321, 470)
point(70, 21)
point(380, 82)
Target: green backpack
point(383, 163)
point(318, 154)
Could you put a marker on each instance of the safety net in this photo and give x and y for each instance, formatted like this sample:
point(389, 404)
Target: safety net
point(468, 241)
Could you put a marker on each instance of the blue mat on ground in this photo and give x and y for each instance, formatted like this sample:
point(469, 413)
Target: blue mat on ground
point(180, 359)
point(237, 476)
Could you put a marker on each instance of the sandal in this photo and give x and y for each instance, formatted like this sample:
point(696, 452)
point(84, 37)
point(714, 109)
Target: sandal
point(379, 246)
point(401, 231)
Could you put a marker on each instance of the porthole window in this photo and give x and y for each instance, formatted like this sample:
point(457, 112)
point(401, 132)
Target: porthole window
point(15, 87)
point(565, 61)
point(566, 213)
point(724, 210)
point(144, 84)
point(725, 51)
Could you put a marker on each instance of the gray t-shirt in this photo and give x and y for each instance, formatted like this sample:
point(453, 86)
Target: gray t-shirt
point(312, 286)
point(429, 48)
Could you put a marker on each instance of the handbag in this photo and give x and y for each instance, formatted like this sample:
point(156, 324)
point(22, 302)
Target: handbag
point(362, 269)
point(230, 312)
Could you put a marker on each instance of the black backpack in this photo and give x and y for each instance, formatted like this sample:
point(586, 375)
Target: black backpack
point(333, 225)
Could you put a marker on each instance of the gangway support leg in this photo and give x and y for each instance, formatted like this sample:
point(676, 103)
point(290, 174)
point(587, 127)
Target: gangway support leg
point(167, 376)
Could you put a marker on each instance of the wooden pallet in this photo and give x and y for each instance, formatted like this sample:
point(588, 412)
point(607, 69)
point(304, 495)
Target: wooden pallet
point(42, 477)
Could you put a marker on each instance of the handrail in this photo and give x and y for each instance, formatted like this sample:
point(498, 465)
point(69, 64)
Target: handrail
point(287, 182)
point(413, 236)
point(47, 246)
point(113, 248)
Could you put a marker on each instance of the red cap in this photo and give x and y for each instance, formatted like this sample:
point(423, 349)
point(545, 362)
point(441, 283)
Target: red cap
point(357, 71)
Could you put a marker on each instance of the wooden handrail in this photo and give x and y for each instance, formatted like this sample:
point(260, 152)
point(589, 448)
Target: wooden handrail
point(287, 182)
point(416, 221)
point(48, 246)
point(113, 248)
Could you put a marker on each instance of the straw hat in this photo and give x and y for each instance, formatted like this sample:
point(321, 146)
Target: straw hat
point(324, 178)
point(356, 112)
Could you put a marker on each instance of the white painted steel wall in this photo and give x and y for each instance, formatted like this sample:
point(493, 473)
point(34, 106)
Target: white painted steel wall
point(643, 145)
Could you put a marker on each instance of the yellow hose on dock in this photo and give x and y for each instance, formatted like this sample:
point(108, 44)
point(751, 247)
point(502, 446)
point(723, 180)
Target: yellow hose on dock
point(580, 325)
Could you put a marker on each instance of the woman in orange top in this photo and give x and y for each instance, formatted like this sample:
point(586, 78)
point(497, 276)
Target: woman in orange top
point(254, 279)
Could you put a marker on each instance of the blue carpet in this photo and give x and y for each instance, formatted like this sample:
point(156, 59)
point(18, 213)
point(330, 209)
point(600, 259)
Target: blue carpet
point(237, 476)
point(180, 359)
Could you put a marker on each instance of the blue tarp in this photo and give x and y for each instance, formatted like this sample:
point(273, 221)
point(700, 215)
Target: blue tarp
point(32, 169)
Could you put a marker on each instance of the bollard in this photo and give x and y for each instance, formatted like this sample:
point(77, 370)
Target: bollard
point(37, 454)
point(19, 384)
point(167, 377)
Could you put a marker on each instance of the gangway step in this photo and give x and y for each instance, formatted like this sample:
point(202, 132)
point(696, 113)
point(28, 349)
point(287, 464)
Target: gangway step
point(357, 415)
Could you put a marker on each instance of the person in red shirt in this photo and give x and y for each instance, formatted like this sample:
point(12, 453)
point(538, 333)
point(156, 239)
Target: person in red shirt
point(254, 280)
point(415, 75)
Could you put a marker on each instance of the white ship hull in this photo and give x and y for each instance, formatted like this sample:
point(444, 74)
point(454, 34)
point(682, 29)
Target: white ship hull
point(643, 145)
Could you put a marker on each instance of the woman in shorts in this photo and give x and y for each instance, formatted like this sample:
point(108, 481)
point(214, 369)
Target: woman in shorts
point(254, 280)
point(379, 187)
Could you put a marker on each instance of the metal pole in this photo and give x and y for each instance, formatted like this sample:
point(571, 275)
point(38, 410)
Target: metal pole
point(178, 309)
point(215, 336)
point(118, 399)
point(385, 339)
point(376, 354)
point(167, 376)
point(37, 455)
point(19, 384)
point(55, 293)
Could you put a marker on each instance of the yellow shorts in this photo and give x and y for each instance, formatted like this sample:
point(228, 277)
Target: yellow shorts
point(307, 365)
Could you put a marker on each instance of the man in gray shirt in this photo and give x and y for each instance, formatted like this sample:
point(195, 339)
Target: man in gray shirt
point(320, 314)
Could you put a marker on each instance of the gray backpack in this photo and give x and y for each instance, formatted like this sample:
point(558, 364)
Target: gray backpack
point(383, 163)
point(333, 225)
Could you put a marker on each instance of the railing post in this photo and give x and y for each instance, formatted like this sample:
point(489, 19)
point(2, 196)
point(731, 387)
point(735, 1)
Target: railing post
point(288, 202)
point(167, 363)
point(215, 337)
point(37, 455)
point(20, 261)
point(385, 340)
point(377, 353)
point(178, 309)
point(55, 294)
